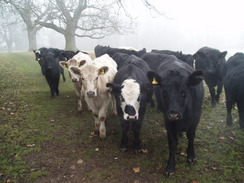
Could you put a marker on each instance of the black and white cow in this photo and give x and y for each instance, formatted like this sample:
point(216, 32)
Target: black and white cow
point(188, 58)
point(179, 93)
point(51, 70)
point(234, 87)
point(132, 92)
point(101, 50)
point(211, 61)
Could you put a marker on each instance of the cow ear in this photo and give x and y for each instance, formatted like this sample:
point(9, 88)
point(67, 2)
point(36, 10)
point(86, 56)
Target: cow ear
point(103, 70)
point(198, 55)
point(82, 62)
point(34, 51)
point(223, 54)
point(113, 88)
point(75, 70)
point(63, 64)
point(153, 77)
point(195, 78)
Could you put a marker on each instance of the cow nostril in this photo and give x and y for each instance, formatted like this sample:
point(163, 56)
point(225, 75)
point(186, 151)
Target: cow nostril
point(74, 79)
point(91, 94)
point(173, 116)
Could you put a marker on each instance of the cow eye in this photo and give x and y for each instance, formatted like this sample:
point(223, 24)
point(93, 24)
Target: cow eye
point(183, 94)
point(121, 98)
point(139, 98)
point(164, 94)
point(96, 78)
point(83, 79)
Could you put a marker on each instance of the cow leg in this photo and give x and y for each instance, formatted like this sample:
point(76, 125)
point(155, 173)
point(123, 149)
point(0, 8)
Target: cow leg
point(229, 105)
point(102, 117)
point(190, 149)
point(219, 90)
point(136, 127)
point(79, 104)
point(212, 93)
point(173, 142)
point(97, 123)
point(49, 81)
point(124, 140)
point(240, 106)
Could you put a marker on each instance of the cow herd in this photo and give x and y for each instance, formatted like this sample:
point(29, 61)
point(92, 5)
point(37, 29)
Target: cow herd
point(127, 79)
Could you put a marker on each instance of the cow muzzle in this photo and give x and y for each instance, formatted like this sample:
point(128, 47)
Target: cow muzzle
point(74, 80)
point(173, 116)
point(131, 118)
point(90, 94)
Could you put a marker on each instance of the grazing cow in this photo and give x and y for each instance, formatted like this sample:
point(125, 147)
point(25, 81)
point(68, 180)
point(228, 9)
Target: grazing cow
point(179, 92)
point(131, 93)
point(155, 59)
point(75, 61)
point(100, 50)
point(188, 58)
point(50, 69)
point(234, 87)
point(94, 78)
point(211, 62)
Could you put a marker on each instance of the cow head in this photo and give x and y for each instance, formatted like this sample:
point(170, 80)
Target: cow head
point(90, 76)
point(130, 95)
point(211, 61)
point(37, 54)
point(173, 91)
point(68, 64)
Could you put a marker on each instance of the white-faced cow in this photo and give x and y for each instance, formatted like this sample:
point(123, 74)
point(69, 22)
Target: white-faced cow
point(211, 62)
point(234, 87)
point(94, 78)
point(179, 93)
point(131, 91)
point(75, 61)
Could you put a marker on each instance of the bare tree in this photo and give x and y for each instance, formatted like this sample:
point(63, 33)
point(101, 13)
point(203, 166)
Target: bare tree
point(86, 18)
point(27, 10)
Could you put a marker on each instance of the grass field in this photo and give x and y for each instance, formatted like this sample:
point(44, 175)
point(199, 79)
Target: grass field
point(42, 139)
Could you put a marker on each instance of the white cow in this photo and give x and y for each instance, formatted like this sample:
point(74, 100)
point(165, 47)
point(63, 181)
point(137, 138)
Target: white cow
point(94, 78)
point(75, 61)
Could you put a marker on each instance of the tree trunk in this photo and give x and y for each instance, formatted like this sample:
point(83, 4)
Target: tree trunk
point(70, 42)
point(32, 39)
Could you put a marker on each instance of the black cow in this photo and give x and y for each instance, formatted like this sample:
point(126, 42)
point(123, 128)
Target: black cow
point(234, 87)
point(101, 50)
point(179, 93)
point(119, 58)
point(212, 62)
point(155, 59)
point(188, 58)
point(51, 70)
point(131, 93)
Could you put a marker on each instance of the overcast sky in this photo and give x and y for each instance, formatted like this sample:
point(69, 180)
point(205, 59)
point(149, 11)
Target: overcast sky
point(191, 24)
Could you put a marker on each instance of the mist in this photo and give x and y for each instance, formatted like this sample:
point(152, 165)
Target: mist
point(186, 26)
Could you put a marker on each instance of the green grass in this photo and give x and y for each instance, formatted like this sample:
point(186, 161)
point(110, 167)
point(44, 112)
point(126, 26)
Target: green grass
point(42, 138)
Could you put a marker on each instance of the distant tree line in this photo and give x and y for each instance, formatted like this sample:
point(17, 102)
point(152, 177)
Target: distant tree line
point(71, 18)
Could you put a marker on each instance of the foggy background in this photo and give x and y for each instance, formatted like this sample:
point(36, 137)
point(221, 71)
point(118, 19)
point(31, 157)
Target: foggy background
point(187, 26)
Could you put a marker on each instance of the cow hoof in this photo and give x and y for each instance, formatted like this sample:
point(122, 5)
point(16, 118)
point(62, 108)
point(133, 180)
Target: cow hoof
point(123, 149)
point(191, 161)
point(102, 138)
point(169, 174)
point(137, 151)
point(96, 132)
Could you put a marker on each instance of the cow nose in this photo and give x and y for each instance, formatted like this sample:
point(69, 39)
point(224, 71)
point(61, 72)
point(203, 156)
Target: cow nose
point(91, 94)
point(74, 80)
point(173, 116)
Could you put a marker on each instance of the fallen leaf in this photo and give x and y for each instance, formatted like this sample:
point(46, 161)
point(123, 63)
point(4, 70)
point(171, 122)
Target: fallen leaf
point(80, 161)
point(136, 169)
point(195, 181)
point(8, 181)
point(97, 149)
point(222, 137)
point(144, 151)
point(30, 145)
point(116, 158)
point(183, 154)
point(232, 138)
